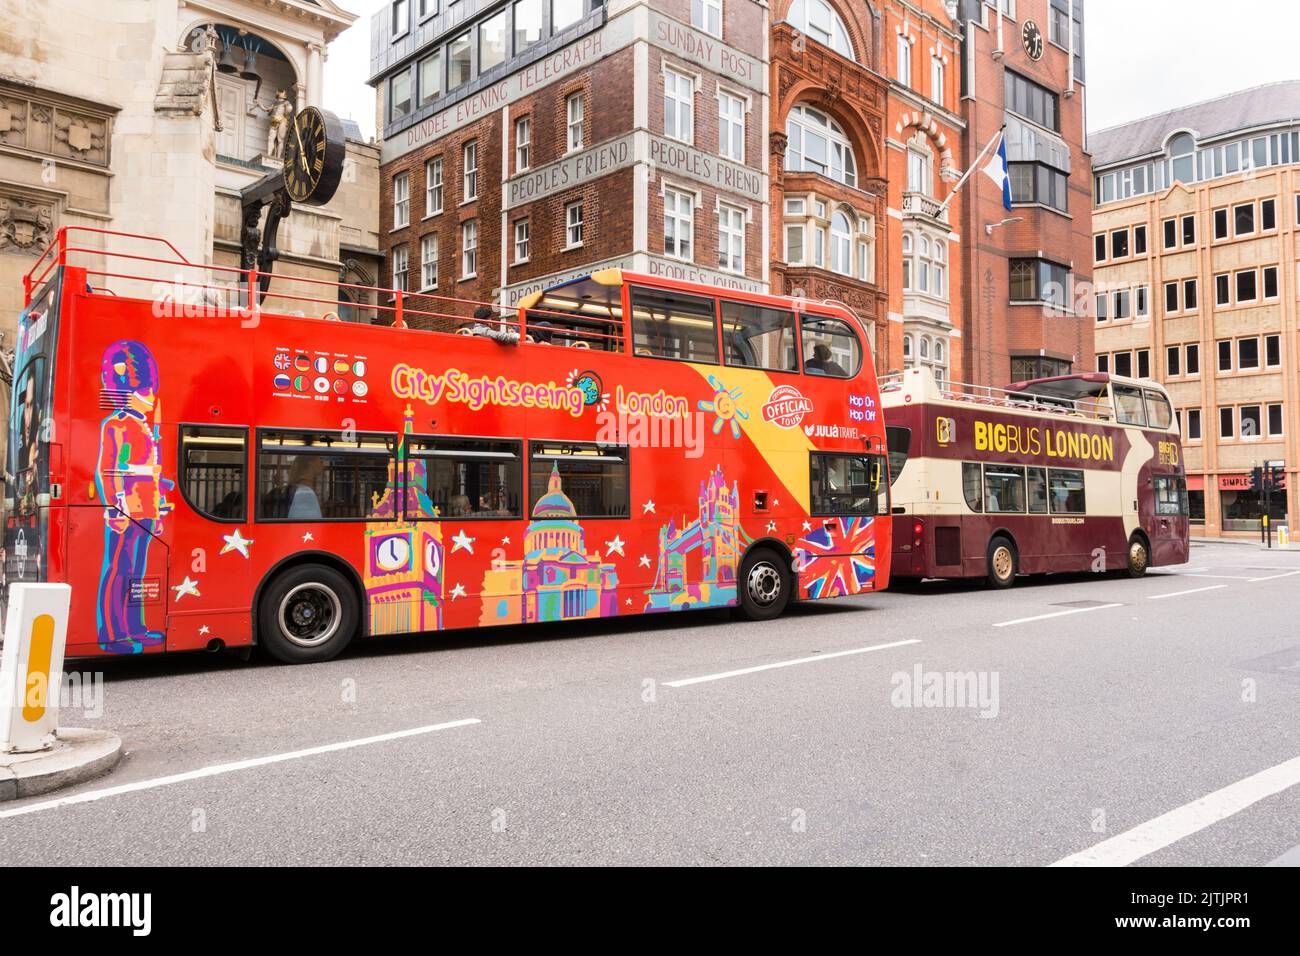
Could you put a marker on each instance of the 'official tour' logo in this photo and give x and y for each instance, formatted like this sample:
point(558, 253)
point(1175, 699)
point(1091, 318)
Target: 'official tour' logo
point(786, 407)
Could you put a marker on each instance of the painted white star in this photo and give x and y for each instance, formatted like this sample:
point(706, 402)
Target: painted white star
point(235, 542)
point(505, 540)
point(648, 508)
point(461, 542)
point(807, 526)
point(771, 526)
point(307, 536)
point(186, 587)
point(629, 602)
point(204, 629)
point(458, 591)
point(645, 561)
point(614, 547)
point(776, 502)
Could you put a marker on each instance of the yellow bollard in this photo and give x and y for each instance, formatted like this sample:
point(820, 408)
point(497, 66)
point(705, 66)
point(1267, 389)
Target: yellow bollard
point(31, 668)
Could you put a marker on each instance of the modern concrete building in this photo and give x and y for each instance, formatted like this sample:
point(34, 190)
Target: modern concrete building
point(1195, 230)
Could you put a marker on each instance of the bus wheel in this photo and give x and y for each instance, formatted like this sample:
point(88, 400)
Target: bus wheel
point(1139, 557)
point(764, 585)
point(309, 613)
point(1002, 562)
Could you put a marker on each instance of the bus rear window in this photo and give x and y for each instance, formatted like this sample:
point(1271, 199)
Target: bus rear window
point(830, 347)
point(1128, 405)
point(676, 326)
point(570, 480)
point(214, 471)
point(757, 337)
point(845, 484)
point(1171, 495)
point(464, 478)
point(323, 476)
point(1065, 491)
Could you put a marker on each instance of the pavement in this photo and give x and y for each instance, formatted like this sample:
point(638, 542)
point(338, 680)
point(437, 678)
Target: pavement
point(1109, 720)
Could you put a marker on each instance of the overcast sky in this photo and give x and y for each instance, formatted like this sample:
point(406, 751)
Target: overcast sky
point(1143, 56)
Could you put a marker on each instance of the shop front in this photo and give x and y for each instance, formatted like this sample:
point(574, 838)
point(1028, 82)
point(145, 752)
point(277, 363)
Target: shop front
point(1243, 509)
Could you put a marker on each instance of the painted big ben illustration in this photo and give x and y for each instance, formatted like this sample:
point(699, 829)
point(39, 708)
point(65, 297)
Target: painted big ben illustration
point(403, 560)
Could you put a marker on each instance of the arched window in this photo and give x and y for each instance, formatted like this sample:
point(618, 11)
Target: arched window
point(925, 348)
point(818, 144)
point(907, 262)
point(1182, 159)
point(907, 351)
point(818, 19)
point(841, 243)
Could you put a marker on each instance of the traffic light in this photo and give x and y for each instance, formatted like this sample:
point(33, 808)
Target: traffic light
point(1277, 476)
point(1257, 479)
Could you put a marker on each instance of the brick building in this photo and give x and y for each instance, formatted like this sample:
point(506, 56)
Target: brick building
point(1196, 225)
point(529, 141)
point(1026, 270)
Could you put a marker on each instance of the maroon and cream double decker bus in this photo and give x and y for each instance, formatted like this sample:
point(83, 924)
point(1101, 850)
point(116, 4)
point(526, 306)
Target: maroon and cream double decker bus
point(1074, 473)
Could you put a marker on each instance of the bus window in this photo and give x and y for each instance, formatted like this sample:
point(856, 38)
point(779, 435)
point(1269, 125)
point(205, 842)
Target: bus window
point(572, 480)
point(830, 347)
point(673, 325)
point(214, 463)
point(464, 478)
point(1128, 405)
point(1004, 489)
point(1169, 499)
point(321, 476)
point(1038, 491)
point(758, 337)
point(1159, 414)
point(1066, 491)
point(845, 484)
point(972, 485)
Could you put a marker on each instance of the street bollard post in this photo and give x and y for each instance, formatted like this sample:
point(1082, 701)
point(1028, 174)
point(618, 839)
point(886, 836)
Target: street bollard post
point(31, 667)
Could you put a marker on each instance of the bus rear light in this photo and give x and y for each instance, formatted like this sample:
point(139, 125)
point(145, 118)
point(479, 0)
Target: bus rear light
point(918, 529)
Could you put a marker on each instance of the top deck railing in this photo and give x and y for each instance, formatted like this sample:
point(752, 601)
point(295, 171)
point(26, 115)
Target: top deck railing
point(989, 396)
point(155, 270)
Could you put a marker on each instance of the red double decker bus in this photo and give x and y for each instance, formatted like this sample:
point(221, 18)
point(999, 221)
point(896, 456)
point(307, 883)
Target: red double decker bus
point(1075, 473)
point(207, 473)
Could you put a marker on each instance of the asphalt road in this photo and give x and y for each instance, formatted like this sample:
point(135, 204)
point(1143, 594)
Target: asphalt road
point(1147, 722)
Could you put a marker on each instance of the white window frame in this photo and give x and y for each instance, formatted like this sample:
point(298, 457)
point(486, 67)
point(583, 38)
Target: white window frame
point(401, 257)
point(700, 10)
point(731, 128)
point(433, 187)
point(937, 77)
point(731, 238)
point(429, 262)
point(573, 225)
point(523, 143)
point(685, 221)
point(573, 111)
point(683, 102)
point(903, 52)
point(469, 171)
point(401, 200)
point(469, 249)
point(522, 241)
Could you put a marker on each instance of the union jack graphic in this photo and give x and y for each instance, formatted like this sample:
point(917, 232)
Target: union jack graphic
point(838, 558)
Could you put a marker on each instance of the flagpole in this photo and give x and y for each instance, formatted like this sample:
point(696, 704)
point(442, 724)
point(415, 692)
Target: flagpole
point(943, 206)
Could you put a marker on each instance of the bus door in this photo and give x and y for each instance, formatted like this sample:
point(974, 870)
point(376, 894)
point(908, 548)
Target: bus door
point(1170, 523)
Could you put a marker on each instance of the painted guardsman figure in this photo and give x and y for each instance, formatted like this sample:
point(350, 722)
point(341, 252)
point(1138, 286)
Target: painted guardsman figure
point(130, 483)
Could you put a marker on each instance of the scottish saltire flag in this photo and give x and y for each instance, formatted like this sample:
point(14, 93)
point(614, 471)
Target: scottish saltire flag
point(996, 170)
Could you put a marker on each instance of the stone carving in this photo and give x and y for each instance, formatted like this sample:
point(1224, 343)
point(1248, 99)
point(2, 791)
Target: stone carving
point(78, 136)
point(281, 114)
point(25, 226)
point(68, 131)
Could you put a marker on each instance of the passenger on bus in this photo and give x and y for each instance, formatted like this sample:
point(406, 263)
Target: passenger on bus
point(822, 363)
point(303, 475)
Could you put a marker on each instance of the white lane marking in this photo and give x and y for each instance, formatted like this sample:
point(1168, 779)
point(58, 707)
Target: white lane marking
point(1227, 577)
point(220, 768)
point(1212, 587)
point(1168, 828)
point(1043, 617)
point(687, 681)
point(1270, 577)
point(1172, 573)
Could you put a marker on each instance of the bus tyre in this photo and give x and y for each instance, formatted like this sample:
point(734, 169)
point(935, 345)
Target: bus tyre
point(308, 613)
point(764, 585)
point(1003, 562)
point(1139, 556)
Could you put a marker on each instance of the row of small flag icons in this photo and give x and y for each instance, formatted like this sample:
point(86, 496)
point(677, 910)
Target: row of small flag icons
point(302, 362)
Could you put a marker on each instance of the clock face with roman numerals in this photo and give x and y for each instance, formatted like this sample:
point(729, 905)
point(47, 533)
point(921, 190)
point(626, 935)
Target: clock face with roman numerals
point(313, 156)
point(1032, 38)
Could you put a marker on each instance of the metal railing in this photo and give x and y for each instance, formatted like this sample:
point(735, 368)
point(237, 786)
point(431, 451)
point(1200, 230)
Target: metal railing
point(988, 395)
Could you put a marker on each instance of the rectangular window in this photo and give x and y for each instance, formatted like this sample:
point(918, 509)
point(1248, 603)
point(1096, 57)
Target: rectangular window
point(1142, 306)
point(429, 262)
point(679, 106)
point(1004, 489)
point(1246, 285)
point(707, 16)
point(1193, 423)
point(1139, 240)
point(492, 42)
point(731, 127)
point(1173, 364)
point(1102, 306)
point(464, 478)
point(573, 225)
point(401, 17)
point(521, 241)
point(1037, 491)
point(1227, 424)
point(1124, 364)
point(1250, 421)
point(672, 325)
point(595, 478)
point(400, 95)
point(794, 243)
point(1035, 103)
point(401, 200)
point(731, 238)
point(1039, 280)
point(458, 61)
point(1193, 359)
point(844, 484)
point(1220, 224)
point(1171, 296)
point(1189, 230)
point(904, 51)
point(1243, 219)
point(321, 476)
point(1103, 362)
point(1275, 420)
point(214, 471)
point(1272, 351)
point(754, 336)
point(1066, 491)
point(1099, 248)
point(1267, 214)
point(1222, 290)
point(1143, 363)
point(469, 249)
point(1189, 295)
point(401, 262)
point(1225, 355)
point(433, 187)
point(1119, 244)
point(1169, 498)
point(1248, 353)
point(830, 347)
point(565, 13)
point(679, 224)
point(523, 143)
point(1170, 233)
point(574, 111)
point(1123, 299)
point(1270, 282)
point(972, 485)
point(431, 78)
point(936, 79)
point(527, 24)
point(469, 174)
